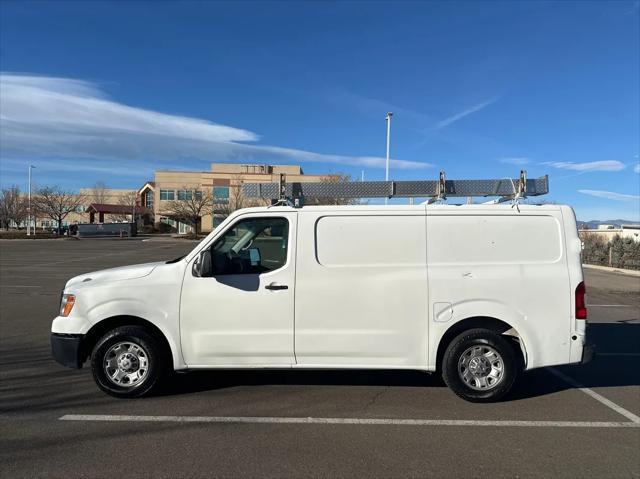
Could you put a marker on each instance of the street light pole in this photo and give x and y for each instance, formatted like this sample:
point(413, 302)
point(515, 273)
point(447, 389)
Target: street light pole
point(29, 208)
point(386, 175)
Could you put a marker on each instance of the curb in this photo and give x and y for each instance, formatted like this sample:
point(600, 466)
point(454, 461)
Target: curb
point(628, 272)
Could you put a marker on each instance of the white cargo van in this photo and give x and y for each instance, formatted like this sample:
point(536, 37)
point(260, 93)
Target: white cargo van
point(476, 292)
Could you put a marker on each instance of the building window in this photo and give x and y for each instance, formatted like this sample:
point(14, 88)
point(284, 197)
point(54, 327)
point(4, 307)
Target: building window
point(221, 194)
point(185, 195)
point(167, 195)
point(148, 199)
point(80, 209)
point(215, 221)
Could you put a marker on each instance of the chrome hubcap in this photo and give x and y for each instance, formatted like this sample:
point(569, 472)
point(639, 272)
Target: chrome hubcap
point(481, 368)
point(126, 364)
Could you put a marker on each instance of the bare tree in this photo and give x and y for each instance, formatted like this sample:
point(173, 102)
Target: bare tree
point(191, 207)
point(223, 207)
point(129, 201)
point(13, 207)
point(57, 204)
point(99, 193)
point(337, 178)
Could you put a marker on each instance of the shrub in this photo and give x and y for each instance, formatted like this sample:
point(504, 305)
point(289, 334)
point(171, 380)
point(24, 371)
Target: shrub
point(617, 253)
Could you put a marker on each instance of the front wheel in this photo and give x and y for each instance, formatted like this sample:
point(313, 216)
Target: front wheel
point(128, 362)
point(480, 366)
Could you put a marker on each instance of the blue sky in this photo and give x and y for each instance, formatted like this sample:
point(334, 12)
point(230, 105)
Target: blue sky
point(112, 91)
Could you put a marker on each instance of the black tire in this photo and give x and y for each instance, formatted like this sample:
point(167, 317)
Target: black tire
point(154, 351)
point(483, 338)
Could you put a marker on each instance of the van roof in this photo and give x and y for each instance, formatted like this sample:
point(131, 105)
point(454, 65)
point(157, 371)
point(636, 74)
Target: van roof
point(503, 207)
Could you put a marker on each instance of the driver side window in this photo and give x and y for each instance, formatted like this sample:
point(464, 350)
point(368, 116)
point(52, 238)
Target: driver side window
point(251, 246)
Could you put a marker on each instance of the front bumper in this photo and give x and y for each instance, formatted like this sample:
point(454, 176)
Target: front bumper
point(588, 353)
point(65, 349)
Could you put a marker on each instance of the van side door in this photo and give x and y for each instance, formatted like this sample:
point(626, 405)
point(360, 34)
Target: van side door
point(361, 293)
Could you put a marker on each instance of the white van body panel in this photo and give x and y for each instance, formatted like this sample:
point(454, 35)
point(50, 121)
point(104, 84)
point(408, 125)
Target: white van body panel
point(503, 264)
point(154, 297)
point(368, 287)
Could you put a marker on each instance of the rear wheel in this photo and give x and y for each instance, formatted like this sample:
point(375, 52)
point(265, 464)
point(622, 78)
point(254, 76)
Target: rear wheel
point(480, 366)
point(129, 362)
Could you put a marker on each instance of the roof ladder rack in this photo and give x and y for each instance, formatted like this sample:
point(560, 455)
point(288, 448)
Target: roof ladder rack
point(519, 189)
point(441, 192)
point(295, 193)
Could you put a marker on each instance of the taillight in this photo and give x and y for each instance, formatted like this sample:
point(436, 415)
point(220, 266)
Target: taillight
point(581, 307)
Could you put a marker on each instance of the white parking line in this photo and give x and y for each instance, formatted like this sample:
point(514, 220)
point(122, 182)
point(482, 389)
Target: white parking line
point(18, 286)
point(85, 258)
point(610, 404)
point(612, 306)
point(343, 421)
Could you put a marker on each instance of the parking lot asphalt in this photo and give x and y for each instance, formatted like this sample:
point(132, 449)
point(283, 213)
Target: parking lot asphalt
point(558, 422)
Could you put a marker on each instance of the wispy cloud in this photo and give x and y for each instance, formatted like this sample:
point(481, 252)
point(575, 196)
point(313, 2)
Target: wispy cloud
point(37, 104)
point(416, 120)
point(610, 165)
point(47, 117)
point(376, 108)
point(610, 195)
point(464, 113)
point(519, 160)
point(19, 166)
point(636, 168)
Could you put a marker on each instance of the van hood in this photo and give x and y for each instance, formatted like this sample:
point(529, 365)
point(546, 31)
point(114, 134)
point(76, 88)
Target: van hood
point(115, 274)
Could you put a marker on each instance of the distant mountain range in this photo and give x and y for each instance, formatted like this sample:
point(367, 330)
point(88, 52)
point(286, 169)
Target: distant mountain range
point(593, 224)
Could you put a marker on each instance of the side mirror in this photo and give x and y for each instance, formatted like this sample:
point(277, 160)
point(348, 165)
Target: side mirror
point(202, 267)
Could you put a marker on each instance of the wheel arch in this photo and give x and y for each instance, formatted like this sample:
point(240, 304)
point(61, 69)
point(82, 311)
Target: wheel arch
point(496, 325)
point(100, 328)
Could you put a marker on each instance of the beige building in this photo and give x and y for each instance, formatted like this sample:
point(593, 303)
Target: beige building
point(223, 181)
point(150, 203)
point(608, 232)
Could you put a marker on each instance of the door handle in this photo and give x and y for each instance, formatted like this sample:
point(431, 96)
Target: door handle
point(275, 286)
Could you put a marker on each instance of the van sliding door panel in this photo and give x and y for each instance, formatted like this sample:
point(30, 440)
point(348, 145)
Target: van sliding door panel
point(361, 290)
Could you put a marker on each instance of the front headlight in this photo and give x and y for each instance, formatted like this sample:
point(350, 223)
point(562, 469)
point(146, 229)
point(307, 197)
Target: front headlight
point(66, 305)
